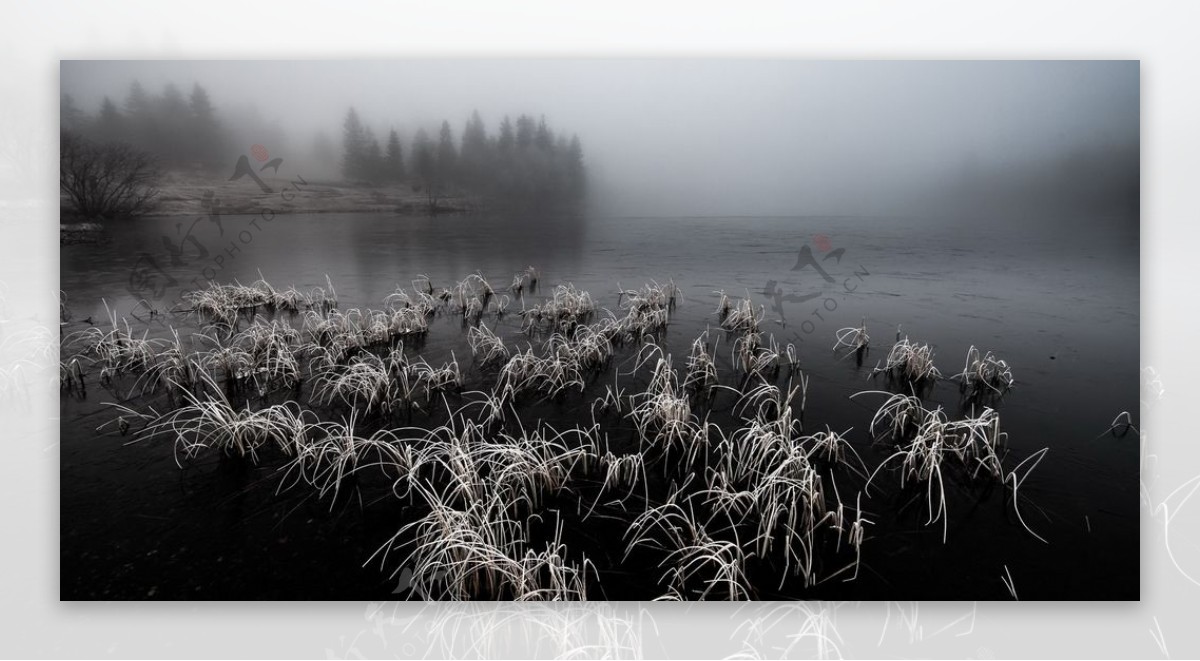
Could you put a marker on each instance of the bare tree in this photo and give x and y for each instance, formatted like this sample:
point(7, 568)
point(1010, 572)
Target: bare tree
point(108, 180)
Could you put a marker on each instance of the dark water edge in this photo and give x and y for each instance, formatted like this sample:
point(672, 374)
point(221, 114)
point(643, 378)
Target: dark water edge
point(1061, 307)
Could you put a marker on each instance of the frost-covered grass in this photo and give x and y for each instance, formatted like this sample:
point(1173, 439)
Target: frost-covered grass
point(721, 489)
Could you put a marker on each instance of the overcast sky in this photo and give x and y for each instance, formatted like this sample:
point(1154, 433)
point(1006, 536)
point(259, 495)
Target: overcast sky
point(708, 137)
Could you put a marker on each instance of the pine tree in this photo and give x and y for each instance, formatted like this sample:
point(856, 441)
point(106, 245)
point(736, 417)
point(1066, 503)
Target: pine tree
point(70, 117)
point(506, 141)
point(204, 130)
point(372, 158)
point(110, 125)
point(354, 146)
point(543, 138)
point(394, 159)
point(447, 157)
point(576, 177)
point(525, 131)
point(424, 164)
point(473, 157)
point(172, 102)
point(142, 128)
point(137, 103)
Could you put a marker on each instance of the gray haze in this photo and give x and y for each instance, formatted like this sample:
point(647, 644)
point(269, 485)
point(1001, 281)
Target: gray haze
point(728, 137)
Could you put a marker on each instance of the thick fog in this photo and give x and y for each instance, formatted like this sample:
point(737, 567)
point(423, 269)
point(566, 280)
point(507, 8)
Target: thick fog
point(730, 137)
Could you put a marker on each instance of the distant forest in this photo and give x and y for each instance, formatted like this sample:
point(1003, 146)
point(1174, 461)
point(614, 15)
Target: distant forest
point(180, 130)
point(525, 162)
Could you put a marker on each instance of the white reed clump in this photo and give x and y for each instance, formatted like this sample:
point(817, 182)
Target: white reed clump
point(979, 441)
point(566, 308)
point(521, 280)
point(986, 371)
point(832, 447)
point(934, 449)
point(288, 300)
point(174, 369)
point(398, 299)
point(662, 413)
point(701, 368)
point(552, 375)
point(768, 402)
point(756, 360)
point(232, 363)
point(625, 472)
point(118, 350)
point(649, 297)
point(270, 349)
point(718, 565)
point(365, 383)
point(724, 307)
point(742, 317)
point(444, 378)
point(612, 401)
point(334, 452)
point(921, 462)
point(460, 553)
point(587, 349)
point(665, 527)
point(852, 337)
point(898, 417)
point(71, 375)
point(408, 321)
point(323, 299)
point(909, 361)
point(487, 348)
point(792, 355)
point(550, 576)
point(211, 422)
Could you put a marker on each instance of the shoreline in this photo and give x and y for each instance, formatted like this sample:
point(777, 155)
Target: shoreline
point(200, 194)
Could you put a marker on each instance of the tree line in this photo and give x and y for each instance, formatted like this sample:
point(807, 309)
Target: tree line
point(181, 130)
point(524, 161)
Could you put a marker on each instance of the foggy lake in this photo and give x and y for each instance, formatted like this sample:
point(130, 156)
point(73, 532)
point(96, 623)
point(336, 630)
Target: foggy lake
point(1060, 305)
point(600, 328)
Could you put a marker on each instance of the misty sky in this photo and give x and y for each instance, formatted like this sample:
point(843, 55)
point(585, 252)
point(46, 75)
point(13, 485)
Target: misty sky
point(701, 137)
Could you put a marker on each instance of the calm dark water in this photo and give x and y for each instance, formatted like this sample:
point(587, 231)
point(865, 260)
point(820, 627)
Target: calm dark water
point(1060, 305)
